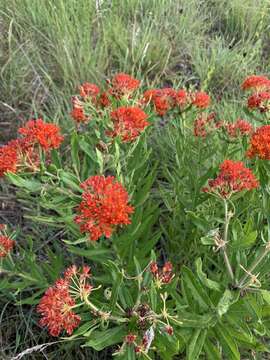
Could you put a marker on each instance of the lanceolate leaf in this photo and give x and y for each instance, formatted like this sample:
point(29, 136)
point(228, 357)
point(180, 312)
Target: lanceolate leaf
point(203, 277)
point(227, 343)
point(195, 289)
point(196, 344)
point(102, 339)
point(227, 299)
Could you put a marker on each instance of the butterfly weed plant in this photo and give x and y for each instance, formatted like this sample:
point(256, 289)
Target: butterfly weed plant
point(158, 250)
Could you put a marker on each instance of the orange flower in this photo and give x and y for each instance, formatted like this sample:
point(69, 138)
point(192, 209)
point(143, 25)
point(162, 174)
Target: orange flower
point(38, 132)
point(260, 143)
point(233, 177)
point(6, 245)
point(240, 127)
point(162, 99)
point(260, 101)
point(201, 100)
point(256, 82)
point(56, 305)
point(88, 90)
point(128, 123)
point(204, 125)
point(8, 159)
point(104, 206)
point(123, 84)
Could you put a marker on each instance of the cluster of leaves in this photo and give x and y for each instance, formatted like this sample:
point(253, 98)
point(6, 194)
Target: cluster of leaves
point(139, 305)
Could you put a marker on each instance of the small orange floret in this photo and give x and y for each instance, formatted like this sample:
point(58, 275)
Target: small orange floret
point(260, 143)
point(256, 82)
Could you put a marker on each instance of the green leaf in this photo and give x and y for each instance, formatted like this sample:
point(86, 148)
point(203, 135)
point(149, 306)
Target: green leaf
point(211, 351)
point(70, 180)
point(117, 279)
point(102, 339)
point(75, 152)
point(228, 298)
point(199, 222)
point(88, 150)
point(196, 344)
point(266, 296)
point(191, 320)
point(246, 241)
point(98, 255)
point(56, 160)
point(203, 277)
point(153, 296)
point(228, 344)
point(31, 185)
point(195, 289)
point(209, 239)
point(100, 160)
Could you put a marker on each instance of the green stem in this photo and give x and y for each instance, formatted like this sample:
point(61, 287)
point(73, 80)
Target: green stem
point(224, 250)
point(104, 314)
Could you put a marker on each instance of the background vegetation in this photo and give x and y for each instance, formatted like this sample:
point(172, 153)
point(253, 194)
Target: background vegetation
point(48, 47)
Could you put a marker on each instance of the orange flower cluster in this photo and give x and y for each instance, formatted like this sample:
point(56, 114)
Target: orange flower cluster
point(104, 206)
point(260, 99)
point(44, 134)
point(8, 159)
point(239, 128)
point(128, 123)
point(89, 90)
point(260, 143)
point(90, 94)
point(6, 245)
point(164, 275)
point(206, 124)
point(201, 100)
point(56, 305)
point(162, 99)
point(233, 177)
point(23, 152)
point(123, 85)
point(166, 99)
point(255, 82)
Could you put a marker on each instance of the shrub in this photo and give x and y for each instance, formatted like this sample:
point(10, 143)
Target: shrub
point(159, 247)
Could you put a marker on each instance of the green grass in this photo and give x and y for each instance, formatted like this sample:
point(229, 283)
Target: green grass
point(49, 47)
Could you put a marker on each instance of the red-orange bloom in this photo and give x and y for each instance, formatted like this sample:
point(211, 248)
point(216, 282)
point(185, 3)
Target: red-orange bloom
point(181, 98)
point(256, 82)
point(201, 100)
point(240, 127)
point(56, 309)
point(78, 114)
point(204, 125)
point(260, 101)
point(6, 245)
point(56, 306)
point(260, 143)
point(88, 90)
point(45, 134)
point(162, 99)
point(130, 338)
point(104, 100)
point(128, 123)
point(104, 206)
point(8, 159)
point(123, 84)
point(233, 177)
point(164, 275)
